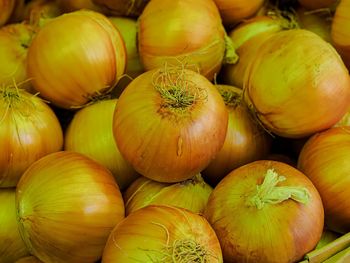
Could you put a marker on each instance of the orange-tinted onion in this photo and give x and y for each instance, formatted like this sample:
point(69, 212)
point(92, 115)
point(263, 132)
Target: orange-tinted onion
point(317, 4)
point(75, 57)
point(325, 160)
point(253, 225)
point(6, 7)
point(90, 132)
point(162, 234)
point(340, 30)
point(30, 259)
point(67, 205)
point(181, 32)
point(11, 244)
point(29, 130)
point(234, 11)
point(122, 7)
point(245, 140)
point(191, 194)
point(297, 85)
point(169, 123)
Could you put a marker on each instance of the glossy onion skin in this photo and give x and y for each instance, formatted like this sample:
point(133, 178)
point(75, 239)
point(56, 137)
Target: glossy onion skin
point(67, 204)
point(325, 160)
point(75, 57)
point(145, 234)
point(296, 89)
point(11, 244)
point(165, 145)
point(182, 32)
point(277, 233)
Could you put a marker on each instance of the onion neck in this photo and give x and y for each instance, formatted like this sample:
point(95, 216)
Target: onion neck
point(230, 56)
point(269, 193)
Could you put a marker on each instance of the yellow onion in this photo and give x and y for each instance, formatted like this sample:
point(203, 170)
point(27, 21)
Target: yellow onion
point(169, 123)
point(75, 57)
point(340, 30)
point(74, 5)
point(67, 205)
point(235, 11)
point(6, 7)
point(324, 159)
point(36, 10)
point(245, 140)
point(29, 130)
point(15, 40)
point(162, 234)
point(191, 194)
point(317, 4)
point(247, 38)
point(344, 121)
point(297, 85)
point(266, 212)
point(90, 132)
point(11, 244)
point(122, 7)
point(30, 259)
point(181, 32)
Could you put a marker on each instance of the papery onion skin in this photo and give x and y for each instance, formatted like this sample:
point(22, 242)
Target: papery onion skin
point(30, 259)
point(278, 233)
point(90, 133)
point(339, 31)
point(11, 244)
point(67, 204)
point(163, 142)
point(296, 89)
point(191, 194)
point(29, 130)
point(235, 11)
point(245, 140)
point(75, 57)
point(317, 4)
point(181, 32)
point(131, 8)
point(6, 7)
point(150, 233)
point(324, 159)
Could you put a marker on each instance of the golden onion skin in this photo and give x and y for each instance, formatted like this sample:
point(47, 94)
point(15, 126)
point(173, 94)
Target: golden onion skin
point(30, 259)
point(6, 7)
point(11, 245)
point(294, 88)
point(277, 233)
point(75, 57)
point(129, 8)
point(67, 204)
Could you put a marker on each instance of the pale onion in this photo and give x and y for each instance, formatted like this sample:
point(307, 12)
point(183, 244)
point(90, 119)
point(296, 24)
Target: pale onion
point(266, 212)
point(181, 32)
point(75, 57)
point(162, 234)
point(340, 30)
point(15, 40)
point(6, 7)
point(74, 5)
point(30, 259)
point(122, 7)
point(67, 205)
point(169, 123)
point(191, 194)
point(29, 130)
point(235, 11)
point(90, 132)
point(128, 29)
point(317, 4)
point(297, 85)
point(247, 38)
point(324, 159)
point(11, 244)
point(245, 140)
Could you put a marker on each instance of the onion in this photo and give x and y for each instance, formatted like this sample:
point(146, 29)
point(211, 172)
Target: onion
point(29, 130)
point(169, 123)
point(265, 211)
point(76, 57)
point(122, 7)
point(233, 12)
point(191, 194)
point(11, 244)
point(37, 10)
point(15, 40)
point(74, 5)
point(181, 32)
point(294, 88)
point(245, 140)
point(326, 238)
point(317, 4)
point(29, 259)
point(90, 133)
point(67, 204)
point(324, 159)
point(6, 7)
point(162, 234)
point(340, 32)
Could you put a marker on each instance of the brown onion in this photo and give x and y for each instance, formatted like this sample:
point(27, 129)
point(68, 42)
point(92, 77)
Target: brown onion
point(317, 4)
point(122, 7)
point(30, 259)
point(6, 7)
